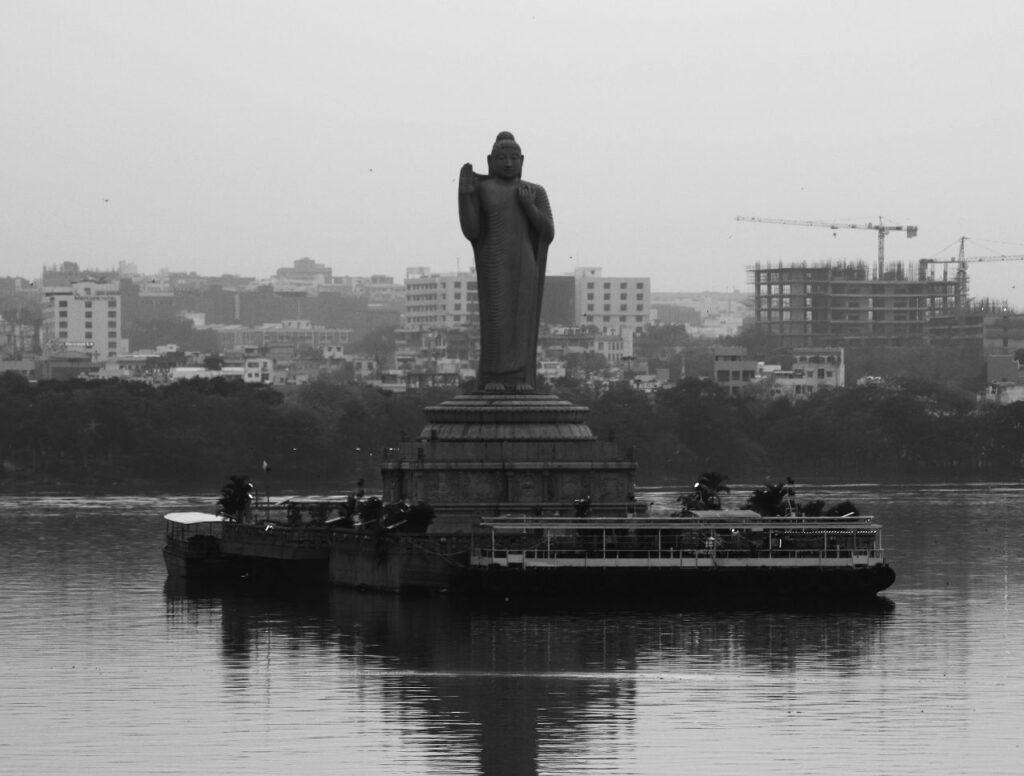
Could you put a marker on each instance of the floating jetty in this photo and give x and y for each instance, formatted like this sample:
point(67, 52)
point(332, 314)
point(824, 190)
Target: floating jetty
point(736, 555)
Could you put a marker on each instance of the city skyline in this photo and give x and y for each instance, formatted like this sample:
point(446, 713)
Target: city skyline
point(191, 136)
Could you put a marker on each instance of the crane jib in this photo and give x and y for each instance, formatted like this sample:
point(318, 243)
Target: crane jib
point(882, 229)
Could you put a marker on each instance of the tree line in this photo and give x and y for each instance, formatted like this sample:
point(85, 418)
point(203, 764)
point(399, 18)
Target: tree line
point(117, 435)
point(324, 436)
point(907, 429)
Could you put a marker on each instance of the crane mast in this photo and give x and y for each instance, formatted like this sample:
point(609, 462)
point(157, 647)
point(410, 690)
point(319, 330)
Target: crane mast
point(961, 261)
point(882, 229)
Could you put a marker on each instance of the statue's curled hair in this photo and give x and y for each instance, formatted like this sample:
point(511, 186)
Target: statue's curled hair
point(504, 137)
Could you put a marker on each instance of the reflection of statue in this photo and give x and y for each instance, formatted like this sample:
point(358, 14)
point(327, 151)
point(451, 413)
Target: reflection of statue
point(509, 223)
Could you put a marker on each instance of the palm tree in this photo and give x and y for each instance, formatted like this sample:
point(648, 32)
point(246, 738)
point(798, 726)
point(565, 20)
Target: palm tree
point(713, 484)
point(779, 498)
point(235, 497)
point(705, 493)
point(769, 500)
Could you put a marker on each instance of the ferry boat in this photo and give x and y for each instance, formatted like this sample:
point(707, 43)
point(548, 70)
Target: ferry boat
point(202, 546)
point(695, 555)
point(286, 538)
point(701, 554)
point(192, 545)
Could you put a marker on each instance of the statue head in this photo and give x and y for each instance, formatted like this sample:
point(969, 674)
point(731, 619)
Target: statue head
point(506, 158)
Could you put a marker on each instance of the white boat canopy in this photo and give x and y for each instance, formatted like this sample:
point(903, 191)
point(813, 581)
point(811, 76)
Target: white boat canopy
point(192, 518)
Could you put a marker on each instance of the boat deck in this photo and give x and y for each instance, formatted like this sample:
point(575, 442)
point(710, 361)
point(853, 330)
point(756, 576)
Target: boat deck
point(719, 539)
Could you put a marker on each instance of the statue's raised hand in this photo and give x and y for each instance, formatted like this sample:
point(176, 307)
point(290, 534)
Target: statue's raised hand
point(525, 193)
point(467, 179)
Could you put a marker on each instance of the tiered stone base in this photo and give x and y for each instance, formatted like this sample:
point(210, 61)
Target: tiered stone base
point(486, 454)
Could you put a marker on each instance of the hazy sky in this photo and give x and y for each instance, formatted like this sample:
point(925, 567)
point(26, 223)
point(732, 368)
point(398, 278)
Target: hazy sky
point(239, 136)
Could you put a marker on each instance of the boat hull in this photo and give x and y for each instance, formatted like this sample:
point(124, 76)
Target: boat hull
point(435, 564)
point(750, 584)
point(186, 563)
point(280, 554)
point(396, 563)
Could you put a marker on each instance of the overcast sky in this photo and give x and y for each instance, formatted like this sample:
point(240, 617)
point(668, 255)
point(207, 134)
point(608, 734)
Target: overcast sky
point(239, 136)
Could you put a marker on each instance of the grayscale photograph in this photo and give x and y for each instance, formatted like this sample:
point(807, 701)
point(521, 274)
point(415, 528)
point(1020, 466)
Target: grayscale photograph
point(521, 389)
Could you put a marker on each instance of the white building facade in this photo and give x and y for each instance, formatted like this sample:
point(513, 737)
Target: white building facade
point(440, 301)
point(611, 304)
point(814, 369)
point(259, 371)
point(86, 317)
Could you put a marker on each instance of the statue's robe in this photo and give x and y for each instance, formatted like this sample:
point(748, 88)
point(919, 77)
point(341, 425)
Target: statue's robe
point(510, 256)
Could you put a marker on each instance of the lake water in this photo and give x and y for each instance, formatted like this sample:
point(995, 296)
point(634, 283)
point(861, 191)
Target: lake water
point(107, 669)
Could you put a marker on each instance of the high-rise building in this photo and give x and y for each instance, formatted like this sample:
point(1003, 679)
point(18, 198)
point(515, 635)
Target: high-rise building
point(843, 304)
point(84, 316)
point(440, 301)
point(611, 304)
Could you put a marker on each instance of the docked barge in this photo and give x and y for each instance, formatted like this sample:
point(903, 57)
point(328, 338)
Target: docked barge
point(720, 553)
point(726, 554)
point(735, 555)
point(192, 546)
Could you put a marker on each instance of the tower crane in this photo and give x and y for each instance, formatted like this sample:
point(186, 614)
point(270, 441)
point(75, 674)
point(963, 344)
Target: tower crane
point(882, 229)
point(962, 261)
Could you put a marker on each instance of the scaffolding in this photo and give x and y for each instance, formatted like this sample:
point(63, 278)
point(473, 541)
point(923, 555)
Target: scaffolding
point(846, 304)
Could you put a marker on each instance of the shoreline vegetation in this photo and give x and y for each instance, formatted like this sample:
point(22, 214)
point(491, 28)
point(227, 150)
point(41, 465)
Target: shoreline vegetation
point(127, 437)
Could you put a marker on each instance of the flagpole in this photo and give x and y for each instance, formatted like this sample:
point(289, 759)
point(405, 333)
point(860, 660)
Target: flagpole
point(266, 488)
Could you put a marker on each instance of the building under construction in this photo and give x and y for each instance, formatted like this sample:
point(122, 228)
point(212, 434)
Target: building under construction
point(849, 304)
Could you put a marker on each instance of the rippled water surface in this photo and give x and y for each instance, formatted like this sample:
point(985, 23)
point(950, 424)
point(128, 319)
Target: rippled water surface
point(106, 668)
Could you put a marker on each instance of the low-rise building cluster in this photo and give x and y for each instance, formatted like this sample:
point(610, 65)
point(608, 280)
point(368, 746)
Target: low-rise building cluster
point(424, 330)
point(812, 370)
point(302, 321)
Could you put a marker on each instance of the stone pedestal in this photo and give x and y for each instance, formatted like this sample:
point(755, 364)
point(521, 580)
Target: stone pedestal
point(487, 454)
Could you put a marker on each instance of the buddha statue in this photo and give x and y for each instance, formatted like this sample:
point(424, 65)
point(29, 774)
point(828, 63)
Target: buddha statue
point(509, 223)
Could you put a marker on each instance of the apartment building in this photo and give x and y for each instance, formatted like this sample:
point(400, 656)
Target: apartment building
point(557, 342)
point(734, 370)
point(291, 336)
point(814, 369)
point(612, 304)
point(258, 371)
point(84, 316)
point(440, 301)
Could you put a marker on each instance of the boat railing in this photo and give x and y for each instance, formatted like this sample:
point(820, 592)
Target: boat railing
point(718, 519)
point(183, 526)
point(515, 540)
point(276, 533)
point(510, 554)
point(183, 533)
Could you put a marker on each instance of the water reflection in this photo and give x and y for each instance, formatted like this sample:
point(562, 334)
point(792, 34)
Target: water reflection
point(505, 686)
point(106, 670)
